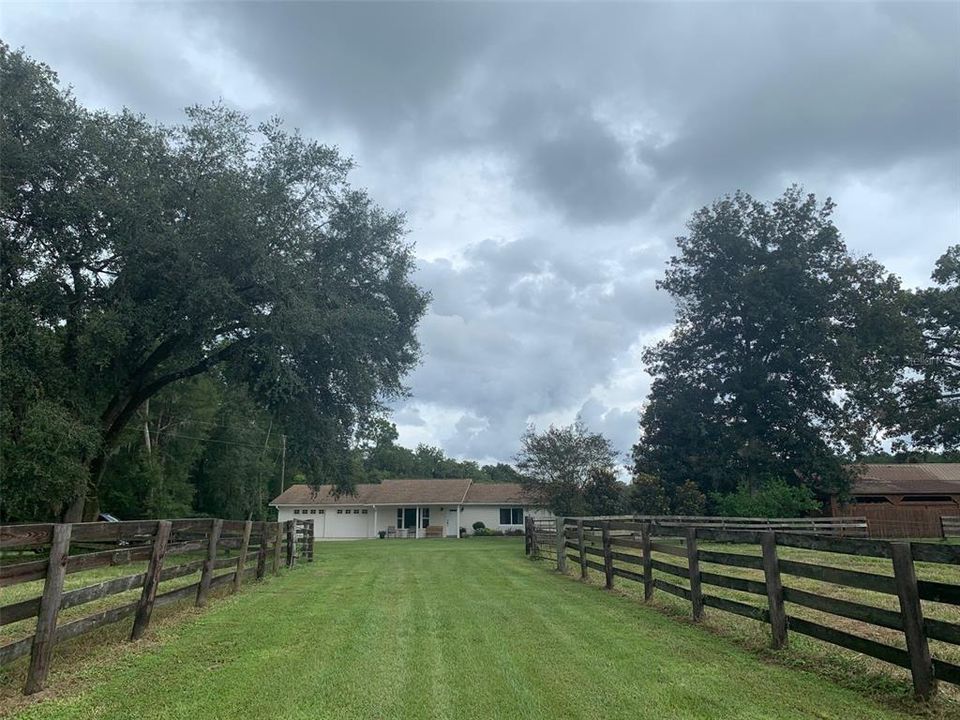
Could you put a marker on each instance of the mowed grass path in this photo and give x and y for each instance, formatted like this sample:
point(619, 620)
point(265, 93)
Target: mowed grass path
point(443, 629)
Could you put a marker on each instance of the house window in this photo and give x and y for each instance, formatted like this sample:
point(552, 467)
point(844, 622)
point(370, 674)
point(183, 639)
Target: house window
point(296, 511)
point(339, 512)
point(407, 517)
point(320, 511)
point(313, 511)
point(357, 511)
point(511, 516)
point(364, 512)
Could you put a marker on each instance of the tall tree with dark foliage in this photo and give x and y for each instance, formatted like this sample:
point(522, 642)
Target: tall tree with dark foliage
point(135, 256)
point(783, 348)
point(926, 412)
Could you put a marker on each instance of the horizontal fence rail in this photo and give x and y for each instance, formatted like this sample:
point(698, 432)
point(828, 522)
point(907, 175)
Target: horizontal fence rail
point(165, 546)
point(841, 526)
point(625, 548)
point(950, 526)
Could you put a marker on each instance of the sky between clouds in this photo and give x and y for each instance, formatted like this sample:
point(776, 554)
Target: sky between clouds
point(546, 156)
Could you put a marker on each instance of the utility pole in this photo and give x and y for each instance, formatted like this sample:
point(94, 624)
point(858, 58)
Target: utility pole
point(283, 462)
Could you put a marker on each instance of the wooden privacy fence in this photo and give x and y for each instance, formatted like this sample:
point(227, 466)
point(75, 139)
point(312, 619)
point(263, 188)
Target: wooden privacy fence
point(63, 549)
point(632, 544)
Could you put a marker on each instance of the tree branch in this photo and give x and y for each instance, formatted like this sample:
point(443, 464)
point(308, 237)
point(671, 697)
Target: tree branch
point(123, 415)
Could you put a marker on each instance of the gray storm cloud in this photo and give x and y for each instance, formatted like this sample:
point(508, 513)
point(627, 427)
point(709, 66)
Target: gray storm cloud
point(546, 154)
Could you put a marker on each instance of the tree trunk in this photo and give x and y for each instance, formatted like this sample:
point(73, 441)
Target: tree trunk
point(74, 511)
point(85, 507)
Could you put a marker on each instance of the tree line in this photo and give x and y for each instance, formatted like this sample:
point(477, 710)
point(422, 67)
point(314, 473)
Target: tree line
point(192, 315)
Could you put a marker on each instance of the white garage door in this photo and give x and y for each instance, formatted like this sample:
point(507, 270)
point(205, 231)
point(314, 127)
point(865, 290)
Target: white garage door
point(346, 522)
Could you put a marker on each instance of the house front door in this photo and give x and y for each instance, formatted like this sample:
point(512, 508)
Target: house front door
point(452, 528)
point(410, 518)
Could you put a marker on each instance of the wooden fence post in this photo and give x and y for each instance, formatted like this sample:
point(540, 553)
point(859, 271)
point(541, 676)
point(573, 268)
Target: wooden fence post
point(561, 547)
point(607, 557)
point(45, 635)
point(277, 542)
point(291, 542)
point(771, 574)
point(262, 551)
point(152, 580)
point(310, 540)
point(207, 574)
point(583, 550)
point(242, 560)
point(905, 577)
point(528, 535)
point(647, 563)
point(693, 566)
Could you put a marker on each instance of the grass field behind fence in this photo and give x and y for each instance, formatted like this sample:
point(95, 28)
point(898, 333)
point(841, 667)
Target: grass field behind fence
point(845, 666)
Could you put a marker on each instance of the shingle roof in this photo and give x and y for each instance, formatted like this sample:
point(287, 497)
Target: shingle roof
point(511, 493)
point(401, 492)
point(910, 479)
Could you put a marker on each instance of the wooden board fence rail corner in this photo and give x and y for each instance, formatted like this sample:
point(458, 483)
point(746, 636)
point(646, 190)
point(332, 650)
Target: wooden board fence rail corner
point(81, 547)
point(583, 535)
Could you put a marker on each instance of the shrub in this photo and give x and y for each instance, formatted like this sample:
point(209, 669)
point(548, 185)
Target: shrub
point(486, 532)
point(478, 525)
point(647, 496)
point(688, 500)
point(774, 498)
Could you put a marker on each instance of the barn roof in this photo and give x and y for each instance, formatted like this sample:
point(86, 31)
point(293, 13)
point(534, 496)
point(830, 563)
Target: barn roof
point(908, 479)
point(426, 491)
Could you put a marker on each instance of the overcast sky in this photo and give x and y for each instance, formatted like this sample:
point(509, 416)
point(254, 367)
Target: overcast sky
point(547, 155)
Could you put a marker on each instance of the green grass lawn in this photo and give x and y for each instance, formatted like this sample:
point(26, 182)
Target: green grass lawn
point(437, 629)
point(845, 666)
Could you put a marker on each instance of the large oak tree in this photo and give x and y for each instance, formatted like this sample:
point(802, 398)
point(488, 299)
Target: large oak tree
point(135, 256)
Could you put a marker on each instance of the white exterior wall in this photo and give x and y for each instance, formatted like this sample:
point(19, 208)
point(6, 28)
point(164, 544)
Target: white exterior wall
point(489, 515)
point(340, 526)
point(330, 524)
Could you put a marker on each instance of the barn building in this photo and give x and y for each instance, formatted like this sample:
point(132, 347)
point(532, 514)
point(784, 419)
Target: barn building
point(905, 500)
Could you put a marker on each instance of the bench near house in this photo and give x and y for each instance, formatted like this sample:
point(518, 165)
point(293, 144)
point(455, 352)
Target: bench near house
point(408, 508)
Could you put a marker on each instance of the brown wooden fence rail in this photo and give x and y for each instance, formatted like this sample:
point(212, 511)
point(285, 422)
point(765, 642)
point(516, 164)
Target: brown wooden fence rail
point(616, 538)
point(839, 526)
point(201, 546)
point(950, 526)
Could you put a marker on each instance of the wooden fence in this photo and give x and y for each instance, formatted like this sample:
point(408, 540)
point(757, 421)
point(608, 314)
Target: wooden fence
point(614, 535)
point(62, 549)
point(950, 526)
point(839, 526)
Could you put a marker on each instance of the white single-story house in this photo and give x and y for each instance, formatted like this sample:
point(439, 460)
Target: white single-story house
point(408, 508)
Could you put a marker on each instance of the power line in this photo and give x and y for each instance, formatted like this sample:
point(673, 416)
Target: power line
point(216, 424)
point(158, 433)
